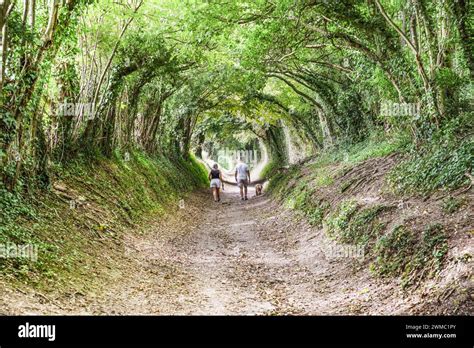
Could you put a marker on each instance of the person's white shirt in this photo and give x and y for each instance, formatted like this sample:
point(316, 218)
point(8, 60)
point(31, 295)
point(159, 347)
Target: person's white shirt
point(241, 169)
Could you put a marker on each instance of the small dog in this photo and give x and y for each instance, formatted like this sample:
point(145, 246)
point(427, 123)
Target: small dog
point(258, 189)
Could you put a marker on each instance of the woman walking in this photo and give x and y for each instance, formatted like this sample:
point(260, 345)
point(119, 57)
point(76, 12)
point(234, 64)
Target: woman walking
point(216, 181)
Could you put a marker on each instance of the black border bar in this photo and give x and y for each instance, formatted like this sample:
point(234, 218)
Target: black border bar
point(226, 330)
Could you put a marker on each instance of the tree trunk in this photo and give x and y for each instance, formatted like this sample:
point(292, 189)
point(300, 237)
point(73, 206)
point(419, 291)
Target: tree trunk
point(463, 12)
point(4, 5)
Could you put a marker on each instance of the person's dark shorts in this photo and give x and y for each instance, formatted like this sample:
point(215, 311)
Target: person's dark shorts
point(242, 182)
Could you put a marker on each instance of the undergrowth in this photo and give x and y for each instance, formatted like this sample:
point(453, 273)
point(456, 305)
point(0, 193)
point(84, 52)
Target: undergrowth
point(352, 224)
point(405, 253)
point(102, 197)
point(445, 162)
point(410, 254)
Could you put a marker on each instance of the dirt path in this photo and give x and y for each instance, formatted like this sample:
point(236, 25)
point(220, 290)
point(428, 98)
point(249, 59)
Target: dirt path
point(222, 264)
point(233, 257)
point(242, 257)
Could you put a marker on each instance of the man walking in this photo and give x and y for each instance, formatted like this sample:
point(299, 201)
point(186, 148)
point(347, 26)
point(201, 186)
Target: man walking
point(242, 177)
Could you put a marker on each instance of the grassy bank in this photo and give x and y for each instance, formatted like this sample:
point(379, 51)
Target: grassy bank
point(377, 194)
point(77, 224)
